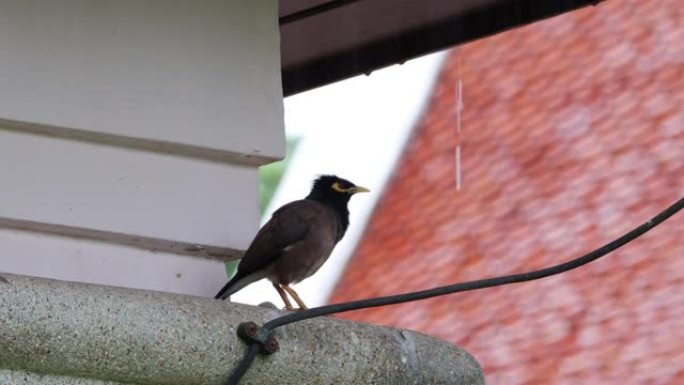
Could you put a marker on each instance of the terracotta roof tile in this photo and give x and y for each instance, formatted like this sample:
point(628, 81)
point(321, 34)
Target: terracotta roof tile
point(573, 133)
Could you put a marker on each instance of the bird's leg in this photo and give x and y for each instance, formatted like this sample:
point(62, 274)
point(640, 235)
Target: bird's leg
point(295, 296)
point(283, 295)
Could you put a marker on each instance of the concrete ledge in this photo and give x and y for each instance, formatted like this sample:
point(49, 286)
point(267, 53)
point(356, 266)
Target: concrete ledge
point(20, 377)
point(72, 333)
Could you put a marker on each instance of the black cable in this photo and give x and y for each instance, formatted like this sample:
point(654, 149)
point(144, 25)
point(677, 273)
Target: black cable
point(482, 283)
point(459, 287)
point(244, 364)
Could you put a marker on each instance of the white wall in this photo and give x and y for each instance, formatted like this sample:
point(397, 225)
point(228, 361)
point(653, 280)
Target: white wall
point(130, 133)
point(187, 72)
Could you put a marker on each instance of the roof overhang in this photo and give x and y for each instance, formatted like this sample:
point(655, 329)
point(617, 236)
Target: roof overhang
point(323, 41)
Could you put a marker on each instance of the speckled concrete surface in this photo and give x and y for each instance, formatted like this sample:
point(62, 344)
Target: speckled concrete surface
point(20, 377)
point(131, 336)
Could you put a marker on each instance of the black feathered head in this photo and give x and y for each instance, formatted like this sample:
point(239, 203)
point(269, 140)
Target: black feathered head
point(334, 190)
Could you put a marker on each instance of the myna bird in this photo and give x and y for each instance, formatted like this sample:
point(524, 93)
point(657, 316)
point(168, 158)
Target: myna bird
point(297, 239)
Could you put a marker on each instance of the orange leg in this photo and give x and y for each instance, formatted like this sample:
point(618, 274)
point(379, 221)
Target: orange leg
point(295, 296)
point(288, 304)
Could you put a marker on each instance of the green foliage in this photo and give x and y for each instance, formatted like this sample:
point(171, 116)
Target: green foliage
point(231, 267)
point(269, 178)
point(270, 175)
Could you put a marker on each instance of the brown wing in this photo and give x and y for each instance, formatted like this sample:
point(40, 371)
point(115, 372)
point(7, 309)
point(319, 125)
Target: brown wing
point(288, 225)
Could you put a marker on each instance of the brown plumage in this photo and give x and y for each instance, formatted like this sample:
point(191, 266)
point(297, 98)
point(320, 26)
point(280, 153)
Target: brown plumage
point(297, 240)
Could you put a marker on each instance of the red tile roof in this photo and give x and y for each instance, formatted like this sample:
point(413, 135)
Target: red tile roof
point(573, 133)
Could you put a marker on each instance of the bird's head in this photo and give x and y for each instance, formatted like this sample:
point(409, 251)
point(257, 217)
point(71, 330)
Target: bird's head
point(333, 189)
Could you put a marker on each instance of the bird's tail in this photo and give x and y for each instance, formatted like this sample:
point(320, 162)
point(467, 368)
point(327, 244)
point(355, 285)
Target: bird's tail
point(239, 281)
point(226, 291)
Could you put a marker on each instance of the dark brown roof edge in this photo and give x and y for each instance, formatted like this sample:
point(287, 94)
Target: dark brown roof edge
point(459, 29)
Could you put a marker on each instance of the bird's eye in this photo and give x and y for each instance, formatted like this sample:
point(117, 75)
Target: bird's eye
point(337, 186)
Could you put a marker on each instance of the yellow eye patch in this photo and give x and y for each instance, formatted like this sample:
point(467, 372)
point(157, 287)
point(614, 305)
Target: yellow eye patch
point(337, 187)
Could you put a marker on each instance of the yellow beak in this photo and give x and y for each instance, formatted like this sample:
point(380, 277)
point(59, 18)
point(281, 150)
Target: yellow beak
point(359, 189)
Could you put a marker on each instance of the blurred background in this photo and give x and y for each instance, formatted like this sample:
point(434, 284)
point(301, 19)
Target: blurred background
point(571, 133)
point(136, 136)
